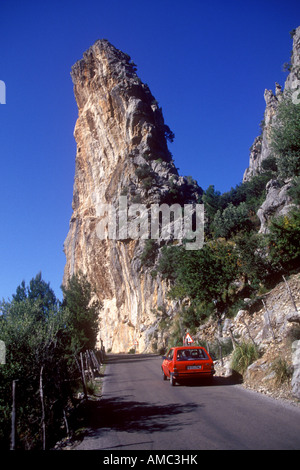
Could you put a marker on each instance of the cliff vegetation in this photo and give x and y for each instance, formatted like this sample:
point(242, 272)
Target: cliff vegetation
point(251, 252)
point(41, 376)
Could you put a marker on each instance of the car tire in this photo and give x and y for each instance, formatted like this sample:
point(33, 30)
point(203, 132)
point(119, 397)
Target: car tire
point(172, 380)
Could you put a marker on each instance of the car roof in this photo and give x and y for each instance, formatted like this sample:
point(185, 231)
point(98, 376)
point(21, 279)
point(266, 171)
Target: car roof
point(189, 347)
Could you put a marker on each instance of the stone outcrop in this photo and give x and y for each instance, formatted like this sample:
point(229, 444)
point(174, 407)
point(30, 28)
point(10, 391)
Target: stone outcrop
point(122, 151)
point(260, 149)
point(296, 368)
point(272, 323)
point(278, 202)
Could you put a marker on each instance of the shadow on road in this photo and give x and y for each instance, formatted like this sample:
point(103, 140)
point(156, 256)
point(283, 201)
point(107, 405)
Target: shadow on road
point(120, 414)
point(124, 414)
point(112, 359)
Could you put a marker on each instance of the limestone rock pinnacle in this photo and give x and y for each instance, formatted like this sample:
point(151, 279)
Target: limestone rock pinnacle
point(122, 149)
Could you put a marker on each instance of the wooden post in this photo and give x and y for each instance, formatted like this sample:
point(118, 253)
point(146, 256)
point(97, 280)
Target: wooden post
point(83, 376)
point(43, 409)
point(291, 295)
point(90, 365)
point(269, 321)
point(13, 417)
point(95, 360)
point(66, 424)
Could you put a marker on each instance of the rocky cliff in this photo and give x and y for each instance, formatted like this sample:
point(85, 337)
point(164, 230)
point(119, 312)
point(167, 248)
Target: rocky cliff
point(122, 152)
point(277, 202)
point(260, 149)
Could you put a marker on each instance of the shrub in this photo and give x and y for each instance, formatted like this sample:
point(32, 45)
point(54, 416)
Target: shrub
point(294, 191)
point(42, 337)
point(270, 164)
point(284, 239)
point(252, 262)
point(143, 171)
point(282, 370)
point(231, 221)
point(205, 275)
point(196, 314)
point(285, 138)
point(244, 355)
point(149, 254)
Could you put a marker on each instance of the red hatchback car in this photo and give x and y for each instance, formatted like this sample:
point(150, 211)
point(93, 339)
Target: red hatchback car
point(187, 362)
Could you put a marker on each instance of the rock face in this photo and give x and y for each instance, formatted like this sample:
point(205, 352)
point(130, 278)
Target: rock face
point(277, 202)
point(296, 366)
point(272, 323)
point(260, 149)
point(122, 151)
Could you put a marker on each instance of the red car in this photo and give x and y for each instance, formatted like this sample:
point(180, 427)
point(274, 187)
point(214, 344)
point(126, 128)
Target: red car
point(187, 362)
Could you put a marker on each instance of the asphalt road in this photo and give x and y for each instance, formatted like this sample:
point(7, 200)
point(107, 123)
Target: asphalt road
point(140, 411)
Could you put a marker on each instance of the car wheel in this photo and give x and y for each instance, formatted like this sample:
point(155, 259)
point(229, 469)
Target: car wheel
point(172, 380)
point(164, 375)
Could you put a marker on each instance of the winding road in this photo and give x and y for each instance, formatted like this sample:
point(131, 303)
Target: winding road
point(140, 411)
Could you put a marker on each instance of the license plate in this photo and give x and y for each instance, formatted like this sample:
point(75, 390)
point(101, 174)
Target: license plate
point(193, 367)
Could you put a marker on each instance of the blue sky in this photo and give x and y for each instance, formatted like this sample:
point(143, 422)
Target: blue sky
point(207, 64)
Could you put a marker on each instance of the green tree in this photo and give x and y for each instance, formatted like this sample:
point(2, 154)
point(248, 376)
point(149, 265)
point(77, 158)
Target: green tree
point(83, 312)
point(294, 191)
point(285, 138)
point(204, 275)
point(38, 290)
point(34, 342)
point(231, 220)
point(252, 260)
point(212, 200)
point(149, 253)
point(169, 261)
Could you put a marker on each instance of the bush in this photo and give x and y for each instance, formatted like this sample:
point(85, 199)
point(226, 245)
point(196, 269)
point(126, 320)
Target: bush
point(282, 370)
point(270, 164)
point(252, 262)
point(42, 337)
point(194, 315)
point(231, 221)
point(149, 253)
point(284, 240)
point(143, 171)
point(83, 314)
point(294, 191)
point(205, 275)
point(244, 355)
point(285, 138)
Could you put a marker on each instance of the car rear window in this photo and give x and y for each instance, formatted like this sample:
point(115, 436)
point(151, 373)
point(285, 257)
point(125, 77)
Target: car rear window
point(191, 354)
